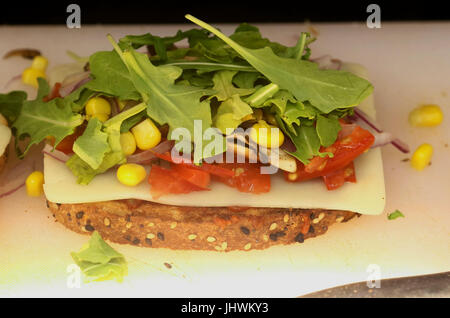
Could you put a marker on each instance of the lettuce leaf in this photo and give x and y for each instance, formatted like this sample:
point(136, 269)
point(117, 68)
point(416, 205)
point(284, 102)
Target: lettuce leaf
point(93, 144)
point(98, 261)
point(11, 105)
point(40, 119)
point(83, 170)
point(230, 113)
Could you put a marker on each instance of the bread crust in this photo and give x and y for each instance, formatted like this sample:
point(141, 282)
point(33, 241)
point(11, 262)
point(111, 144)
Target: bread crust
point(2, 162)
point(148, 224)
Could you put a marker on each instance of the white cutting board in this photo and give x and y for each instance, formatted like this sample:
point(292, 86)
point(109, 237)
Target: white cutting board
point(408, 64)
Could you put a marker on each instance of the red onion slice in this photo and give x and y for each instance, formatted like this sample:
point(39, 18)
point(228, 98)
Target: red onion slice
point(149, 155)
point(12, 80)
point(397, 143)
point(72, 82)
point(9, 192)
point(55, 154)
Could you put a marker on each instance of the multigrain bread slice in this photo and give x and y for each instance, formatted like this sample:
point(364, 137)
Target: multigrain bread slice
point(148, 224)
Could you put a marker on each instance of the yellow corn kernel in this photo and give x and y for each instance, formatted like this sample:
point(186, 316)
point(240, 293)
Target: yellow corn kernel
point(128, 143)
point(34, 184)
point(101, 117)
point(3, 120)
point(30, 76)
point(131, 174)
point(248, 117)
point(98, 105)
point(39, 63)
point(266, 135)
point(146, 134)
point(426, 116)
point(422, 156)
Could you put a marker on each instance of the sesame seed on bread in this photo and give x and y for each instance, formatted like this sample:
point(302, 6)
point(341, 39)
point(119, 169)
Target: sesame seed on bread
point(149, 224)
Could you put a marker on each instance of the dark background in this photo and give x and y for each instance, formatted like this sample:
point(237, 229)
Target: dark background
point(216, 11)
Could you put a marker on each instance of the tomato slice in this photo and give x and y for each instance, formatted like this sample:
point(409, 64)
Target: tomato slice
point(164, 181)
point(66, 144)
point(345, 150)
point(247, 178)
point(337, 178)
point(210, 168)
point(54, 93)
point(197, 177)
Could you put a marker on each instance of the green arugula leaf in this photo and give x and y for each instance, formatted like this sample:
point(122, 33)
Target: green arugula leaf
point(92, 146)
point(246, 79)
point(230, 113)
point(111, 76)
point(325, 89)
point(306, 141)
point(262, 94)
point(223, 85)
point(395, 214)
point(327, 129)
point(11, 105)
point(98, 261)
point(179, 106)
point(279, 101)
point(40, 119)
point(202, 66)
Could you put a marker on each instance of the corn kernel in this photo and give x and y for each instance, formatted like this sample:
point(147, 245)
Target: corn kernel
point(101, 117)
point(30, 76)
point(34, 184)
point(39, 63)
point(146, 134)
point(422, 156)
point(426, 116)
point(128, 143)
point(131, 174)
point(248, 117)
point(266, 135)
point(98, 105)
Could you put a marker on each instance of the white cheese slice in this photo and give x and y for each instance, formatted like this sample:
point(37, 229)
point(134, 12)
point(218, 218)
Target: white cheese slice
point(5, 137)
point(367, 196)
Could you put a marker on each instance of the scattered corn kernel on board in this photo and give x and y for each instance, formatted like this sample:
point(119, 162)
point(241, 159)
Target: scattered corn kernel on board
point(35, 250)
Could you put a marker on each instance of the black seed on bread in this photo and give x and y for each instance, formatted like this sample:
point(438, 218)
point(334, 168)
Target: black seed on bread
point(148, 224)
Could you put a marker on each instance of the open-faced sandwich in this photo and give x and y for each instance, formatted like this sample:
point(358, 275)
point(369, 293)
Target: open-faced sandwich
point(205, 141)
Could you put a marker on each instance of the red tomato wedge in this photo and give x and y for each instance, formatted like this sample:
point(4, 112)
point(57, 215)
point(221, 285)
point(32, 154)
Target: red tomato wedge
point(337, 178)
point(345, 150)
point(196, 177)
point(247, 178)
point(66, 144)
point(164, 181)
point(54, 93)
point(210, 168)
